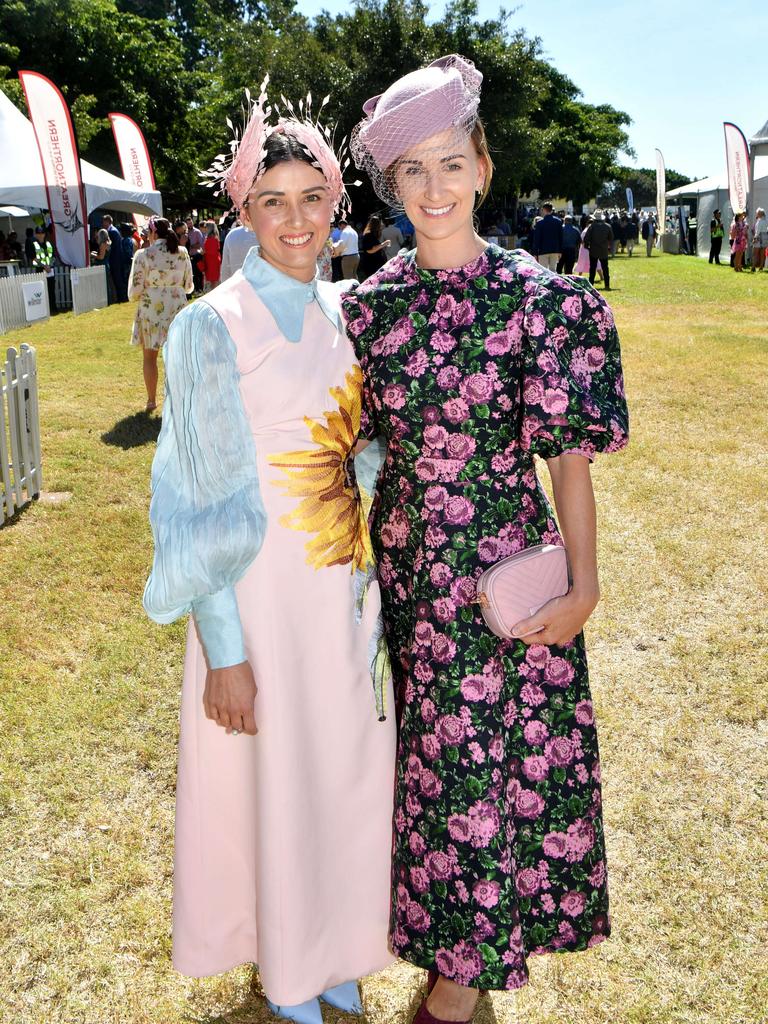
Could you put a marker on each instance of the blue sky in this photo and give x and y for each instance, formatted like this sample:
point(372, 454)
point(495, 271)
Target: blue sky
point(675, 67)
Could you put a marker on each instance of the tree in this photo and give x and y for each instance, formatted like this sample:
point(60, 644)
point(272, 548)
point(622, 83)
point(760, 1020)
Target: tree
point(642, 181)
point(581, 142)
point(179, 68)
point(112, 61)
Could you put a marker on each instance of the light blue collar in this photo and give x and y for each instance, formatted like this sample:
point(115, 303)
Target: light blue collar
point(286, 298)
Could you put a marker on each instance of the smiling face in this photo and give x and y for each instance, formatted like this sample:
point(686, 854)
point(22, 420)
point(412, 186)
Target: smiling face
point(437, 182)
point(289, 210)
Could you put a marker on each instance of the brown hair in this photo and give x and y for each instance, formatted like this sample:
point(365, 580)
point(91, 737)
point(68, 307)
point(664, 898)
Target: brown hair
point(373, 227)
point(163, 229)
point(481, 148)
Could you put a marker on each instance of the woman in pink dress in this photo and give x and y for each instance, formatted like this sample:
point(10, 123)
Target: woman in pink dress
point(286, 758)
point(738, 236)
point(582, 263)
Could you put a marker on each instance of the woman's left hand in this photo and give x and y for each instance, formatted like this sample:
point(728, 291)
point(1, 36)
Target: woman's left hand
point(558, 621)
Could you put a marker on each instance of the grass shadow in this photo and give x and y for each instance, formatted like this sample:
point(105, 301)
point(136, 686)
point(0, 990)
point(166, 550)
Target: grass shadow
point(485, 1013)
point(134, 431)
point(5, 524)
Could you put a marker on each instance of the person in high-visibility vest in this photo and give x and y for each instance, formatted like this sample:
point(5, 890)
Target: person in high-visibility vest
point(43, 262)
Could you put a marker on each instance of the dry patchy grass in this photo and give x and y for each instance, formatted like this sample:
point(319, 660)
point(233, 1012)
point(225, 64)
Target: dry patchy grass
point(88, 704)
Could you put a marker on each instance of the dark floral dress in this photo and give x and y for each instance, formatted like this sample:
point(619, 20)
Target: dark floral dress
point(498, 837)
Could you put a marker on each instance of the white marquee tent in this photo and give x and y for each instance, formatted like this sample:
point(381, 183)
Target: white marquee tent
point(21, 174)
point(711, 194)
point(758, 151)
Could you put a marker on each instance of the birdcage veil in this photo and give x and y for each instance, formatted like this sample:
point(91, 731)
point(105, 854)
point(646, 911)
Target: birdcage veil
point(439, 102)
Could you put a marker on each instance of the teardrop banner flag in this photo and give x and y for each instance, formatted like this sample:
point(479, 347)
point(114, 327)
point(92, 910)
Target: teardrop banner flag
point(61, 167)
point(737, 162)
point(630, 200)
point(134, 156)
point(661, 191)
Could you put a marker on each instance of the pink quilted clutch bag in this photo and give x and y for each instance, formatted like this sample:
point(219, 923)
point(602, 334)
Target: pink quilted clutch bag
point(517, 586)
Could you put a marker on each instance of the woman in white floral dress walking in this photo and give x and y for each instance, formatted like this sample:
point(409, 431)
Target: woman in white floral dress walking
point(161, 278)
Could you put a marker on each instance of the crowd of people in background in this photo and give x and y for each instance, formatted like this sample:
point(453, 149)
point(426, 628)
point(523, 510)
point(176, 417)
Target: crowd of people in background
point(559, 240)
point(584, 249)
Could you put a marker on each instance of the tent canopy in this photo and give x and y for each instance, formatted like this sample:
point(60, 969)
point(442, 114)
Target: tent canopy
point(21, 174)
point(695, 188)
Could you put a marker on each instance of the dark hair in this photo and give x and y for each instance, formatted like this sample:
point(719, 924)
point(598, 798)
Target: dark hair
point(164, 230)
point(373, 227)
point(126, 230)
point(547, 206)
point(282, 148)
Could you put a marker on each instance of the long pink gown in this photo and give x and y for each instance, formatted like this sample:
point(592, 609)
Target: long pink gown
point(582, 263)
point(283, 840)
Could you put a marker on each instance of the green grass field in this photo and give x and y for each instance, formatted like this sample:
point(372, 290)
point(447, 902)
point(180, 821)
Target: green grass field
point(90, 690)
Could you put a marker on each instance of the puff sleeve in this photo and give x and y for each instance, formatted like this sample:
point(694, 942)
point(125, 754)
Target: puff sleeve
point(572, 386)
point(206, 512)
point(358, 319)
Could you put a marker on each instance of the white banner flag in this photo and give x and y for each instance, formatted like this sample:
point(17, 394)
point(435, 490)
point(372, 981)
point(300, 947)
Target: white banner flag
point(630, 200)
point(661, 191)
point(61, 167)
point(737, 162)
point(134, 157)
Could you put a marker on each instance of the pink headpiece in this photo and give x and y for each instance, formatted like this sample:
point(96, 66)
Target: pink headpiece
point(442, 96)
point(236, 172)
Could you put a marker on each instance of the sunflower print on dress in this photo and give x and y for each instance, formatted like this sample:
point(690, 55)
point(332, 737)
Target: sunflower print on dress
point(330, 508)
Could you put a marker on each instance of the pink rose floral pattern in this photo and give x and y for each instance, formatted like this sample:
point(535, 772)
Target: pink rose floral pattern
point(498, 836)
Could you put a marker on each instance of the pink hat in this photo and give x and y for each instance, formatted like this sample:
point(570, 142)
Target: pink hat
point(427, 102)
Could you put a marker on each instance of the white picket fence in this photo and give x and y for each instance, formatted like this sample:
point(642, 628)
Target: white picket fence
point(89, 289)
point(12, 309)
point(21, 473)
point(81, 290)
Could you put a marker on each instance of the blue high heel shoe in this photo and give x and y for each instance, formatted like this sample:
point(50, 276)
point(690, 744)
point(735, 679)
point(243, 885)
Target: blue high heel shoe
point(344, 997)
point(304, 1013)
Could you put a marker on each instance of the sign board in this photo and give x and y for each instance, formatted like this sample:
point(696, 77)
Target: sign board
point(35, 301)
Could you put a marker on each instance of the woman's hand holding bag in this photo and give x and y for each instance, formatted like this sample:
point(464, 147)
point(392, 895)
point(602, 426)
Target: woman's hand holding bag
point(558, 621)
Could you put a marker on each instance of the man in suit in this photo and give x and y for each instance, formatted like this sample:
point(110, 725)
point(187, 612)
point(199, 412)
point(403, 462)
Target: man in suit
point(599, 241)
point(115, 259)
point(548, 238)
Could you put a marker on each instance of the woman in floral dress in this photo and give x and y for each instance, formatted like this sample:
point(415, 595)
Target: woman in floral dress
point(475, 360)
point(161, 278)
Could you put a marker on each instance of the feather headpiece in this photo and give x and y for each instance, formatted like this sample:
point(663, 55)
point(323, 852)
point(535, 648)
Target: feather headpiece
point(236, 172)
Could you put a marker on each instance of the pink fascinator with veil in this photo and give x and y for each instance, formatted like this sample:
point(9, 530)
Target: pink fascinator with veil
point(236, 172)
point(442, 97)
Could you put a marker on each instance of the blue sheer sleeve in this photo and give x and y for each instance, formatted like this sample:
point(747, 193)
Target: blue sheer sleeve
point(206, 512)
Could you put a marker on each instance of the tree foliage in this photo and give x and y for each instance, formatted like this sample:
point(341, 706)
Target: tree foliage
point(642, 181)
point(179, 68)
